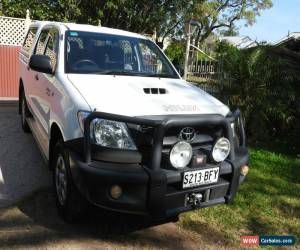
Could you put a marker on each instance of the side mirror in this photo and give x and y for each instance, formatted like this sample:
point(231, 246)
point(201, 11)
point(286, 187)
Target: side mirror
point(41, 63)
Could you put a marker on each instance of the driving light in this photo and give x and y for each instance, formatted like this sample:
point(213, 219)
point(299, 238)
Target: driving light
point(116, 192)
point(221, 149)
point(181, 154)
point(111, 134)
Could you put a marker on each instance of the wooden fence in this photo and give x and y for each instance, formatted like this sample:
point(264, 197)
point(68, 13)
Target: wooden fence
point(12, 33)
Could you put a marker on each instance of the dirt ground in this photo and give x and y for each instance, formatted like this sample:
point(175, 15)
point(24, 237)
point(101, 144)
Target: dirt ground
point(28, 218)
point(34, 224)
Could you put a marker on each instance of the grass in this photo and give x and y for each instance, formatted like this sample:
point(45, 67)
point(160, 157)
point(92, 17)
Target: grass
point(267, 203)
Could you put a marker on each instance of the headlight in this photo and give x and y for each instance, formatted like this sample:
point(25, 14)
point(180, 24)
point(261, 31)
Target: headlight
point(221, 149)
point(111, 134)
point(181, 154)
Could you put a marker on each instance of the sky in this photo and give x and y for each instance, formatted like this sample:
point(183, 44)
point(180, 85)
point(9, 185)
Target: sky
point(275, 23)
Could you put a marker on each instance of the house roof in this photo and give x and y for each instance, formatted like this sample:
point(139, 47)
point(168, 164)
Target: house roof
point(241, 42)
point(290, 37)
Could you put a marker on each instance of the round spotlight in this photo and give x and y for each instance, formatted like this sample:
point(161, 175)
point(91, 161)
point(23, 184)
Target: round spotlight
point(116, 192)
point(221, 149)
point(181, 154)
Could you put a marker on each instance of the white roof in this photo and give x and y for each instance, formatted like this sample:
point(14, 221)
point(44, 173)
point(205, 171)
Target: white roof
point(293, 35)
point(92, 28)
point(241, 42)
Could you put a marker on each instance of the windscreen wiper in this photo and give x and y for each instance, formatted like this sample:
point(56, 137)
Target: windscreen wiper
point(114, 72)
point(160, 75)
point(131, 73)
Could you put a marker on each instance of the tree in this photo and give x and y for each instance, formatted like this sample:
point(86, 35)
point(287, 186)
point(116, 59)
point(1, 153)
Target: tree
point(232, 31)
point(142, 16)
point(175, 52)
point(52, 10)
point(39, 10)
point(70, 9)
point(219, 14)
point(165, 17)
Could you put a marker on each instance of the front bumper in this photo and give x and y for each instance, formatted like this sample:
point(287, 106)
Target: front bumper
point(153, 190)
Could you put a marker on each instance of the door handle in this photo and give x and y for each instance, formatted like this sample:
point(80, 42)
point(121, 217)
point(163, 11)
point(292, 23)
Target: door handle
point(37, 77)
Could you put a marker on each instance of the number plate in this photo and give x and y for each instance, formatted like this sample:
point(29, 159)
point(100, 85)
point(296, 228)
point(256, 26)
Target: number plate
point(200, 177)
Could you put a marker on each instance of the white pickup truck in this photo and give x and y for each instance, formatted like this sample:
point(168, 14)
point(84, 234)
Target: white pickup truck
point(121, 129)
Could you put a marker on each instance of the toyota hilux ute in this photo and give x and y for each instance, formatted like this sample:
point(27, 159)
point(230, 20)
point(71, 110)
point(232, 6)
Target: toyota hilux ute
point(120, 128)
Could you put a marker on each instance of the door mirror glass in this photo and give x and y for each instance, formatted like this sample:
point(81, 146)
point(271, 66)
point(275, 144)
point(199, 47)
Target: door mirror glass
point(41, 63)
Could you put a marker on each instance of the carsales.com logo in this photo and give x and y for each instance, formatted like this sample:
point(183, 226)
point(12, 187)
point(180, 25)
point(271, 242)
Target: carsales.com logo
point(268, 240)
point(249, 241)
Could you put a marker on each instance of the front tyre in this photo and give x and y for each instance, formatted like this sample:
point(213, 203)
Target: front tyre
point(24, 113)
point(70, 203)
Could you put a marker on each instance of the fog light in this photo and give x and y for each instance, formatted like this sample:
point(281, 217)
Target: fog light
point(244, 170)
point(115, 192)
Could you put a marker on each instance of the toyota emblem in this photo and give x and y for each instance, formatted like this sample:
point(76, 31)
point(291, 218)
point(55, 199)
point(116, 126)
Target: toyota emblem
point(187, 134)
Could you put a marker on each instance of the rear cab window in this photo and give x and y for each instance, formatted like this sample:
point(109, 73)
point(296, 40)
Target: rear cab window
point(47, 44)
point(29, 40)
point(41, 44)
point(52, 47)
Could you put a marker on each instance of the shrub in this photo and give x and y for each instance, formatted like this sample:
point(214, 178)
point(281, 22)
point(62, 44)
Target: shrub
point(176, 51)
point(264, 82)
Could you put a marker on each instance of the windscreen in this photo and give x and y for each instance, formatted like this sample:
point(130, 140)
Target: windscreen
point(98, 53)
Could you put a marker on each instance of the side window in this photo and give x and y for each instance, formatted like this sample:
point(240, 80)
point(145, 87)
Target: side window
point(52, 47)
point(29, 39)
point(41, 44)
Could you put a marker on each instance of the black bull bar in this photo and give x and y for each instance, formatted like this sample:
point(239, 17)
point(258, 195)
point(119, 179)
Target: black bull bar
point(157, 178)
point(161, 126)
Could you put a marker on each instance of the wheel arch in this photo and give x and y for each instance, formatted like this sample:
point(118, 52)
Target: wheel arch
point(55, 135)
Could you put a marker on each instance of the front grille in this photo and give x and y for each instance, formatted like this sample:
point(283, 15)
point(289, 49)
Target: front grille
point(202, 142)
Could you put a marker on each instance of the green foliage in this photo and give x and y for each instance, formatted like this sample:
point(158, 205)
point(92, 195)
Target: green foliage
point(264, 83)
point(40, 10)
point(166, 17)
point(143, 16)
point(140, 16)
point(175, 51)
point(70, 9)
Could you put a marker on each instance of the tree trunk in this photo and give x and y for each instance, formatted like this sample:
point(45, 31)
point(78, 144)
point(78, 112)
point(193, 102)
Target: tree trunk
point(198, 37)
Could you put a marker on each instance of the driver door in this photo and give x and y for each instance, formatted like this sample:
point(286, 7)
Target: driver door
point(47, 45)
point(38, 94)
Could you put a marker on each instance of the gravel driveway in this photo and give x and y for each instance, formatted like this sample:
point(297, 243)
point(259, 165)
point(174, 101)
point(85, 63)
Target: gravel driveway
point(22, 169)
